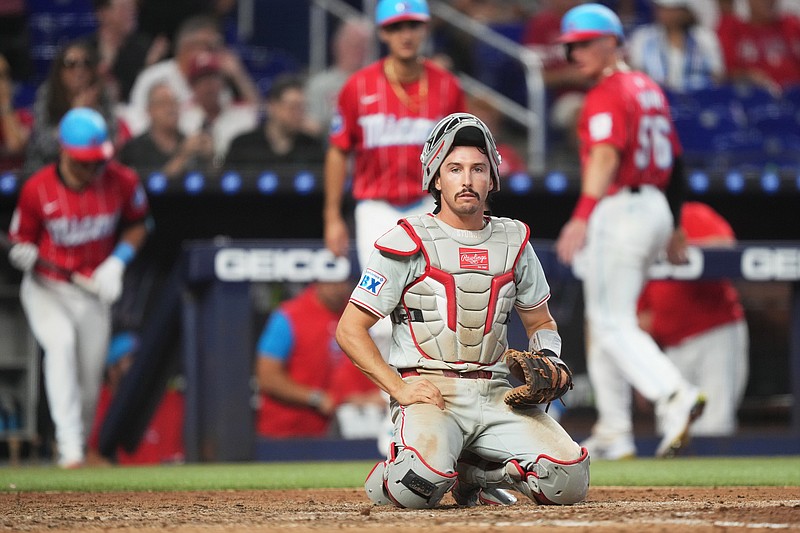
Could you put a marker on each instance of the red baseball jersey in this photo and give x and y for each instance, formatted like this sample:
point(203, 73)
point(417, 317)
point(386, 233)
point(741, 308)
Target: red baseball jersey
point(681, 309)
point(629, 111)
point(312, 362)
point(77, 230)
point(387, 130)
point(772, 48)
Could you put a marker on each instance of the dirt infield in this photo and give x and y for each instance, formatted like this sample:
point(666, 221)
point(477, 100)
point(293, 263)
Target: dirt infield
point(607, 509)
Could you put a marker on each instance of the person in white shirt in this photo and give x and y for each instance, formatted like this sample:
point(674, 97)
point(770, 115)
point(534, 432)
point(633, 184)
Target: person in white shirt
point(676, 51)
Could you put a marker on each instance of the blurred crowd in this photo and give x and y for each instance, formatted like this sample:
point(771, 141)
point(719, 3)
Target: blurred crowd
point(179, 97)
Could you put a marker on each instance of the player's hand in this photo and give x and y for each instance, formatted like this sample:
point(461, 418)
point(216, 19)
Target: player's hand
point(677, 248)
point(23, 256)
point(571, 239)
point(337, 238)
point(108, 279)
point(419, 391)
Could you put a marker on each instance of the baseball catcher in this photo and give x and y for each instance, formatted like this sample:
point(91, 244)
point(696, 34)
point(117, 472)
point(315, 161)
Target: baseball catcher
point(449, 280)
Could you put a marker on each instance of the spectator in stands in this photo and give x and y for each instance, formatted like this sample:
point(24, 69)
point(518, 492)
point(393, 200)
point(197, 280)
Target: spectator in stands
point(765, 49)
point(565, 85)
point(15, 124)
point(196, 35)
point(162, 147)
point(299, 364)
point(208, 111)
point(280, 140)
point(707, 339)
point(675, 50)
point(350, 49)
point(73, 81)
point(122, 51)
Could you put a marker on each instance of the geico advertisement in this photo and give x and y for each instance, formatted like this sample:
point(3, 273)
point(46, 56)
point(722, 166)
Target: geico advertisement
point(754, 263)
point(280, 264)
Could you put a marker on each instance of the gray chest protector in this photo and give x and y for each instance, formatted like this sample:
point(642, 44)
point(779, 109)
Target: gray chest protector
point(458, 310)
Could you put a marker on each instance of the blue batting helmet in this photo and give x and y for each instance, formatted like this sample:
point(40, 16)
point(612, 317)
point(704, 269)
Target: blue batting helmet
point(391, 11)
point(83, 134)
point(590, 21)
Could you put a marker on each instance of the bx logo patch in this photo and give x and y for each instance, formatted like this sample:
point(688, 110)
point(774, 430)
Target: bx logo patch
point(372, 282)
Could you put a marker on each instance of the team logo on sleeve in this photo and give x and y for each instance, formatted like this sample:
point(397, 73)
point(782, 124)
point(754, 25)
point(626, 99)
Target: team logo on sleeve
point(473, 258)
point(337, 123)
point(371, 281)
point(600, 126)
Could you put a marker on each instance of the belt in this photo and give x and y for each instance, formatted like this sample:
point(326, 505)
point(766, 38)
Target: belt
point(634, 189)
point(474, 374)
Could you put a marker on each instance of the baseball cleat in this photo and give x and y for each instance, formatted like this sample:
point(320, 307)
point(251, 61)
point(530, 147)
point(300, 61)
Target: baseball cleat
point(678, 412)
point(610, 448)
point(472, 495)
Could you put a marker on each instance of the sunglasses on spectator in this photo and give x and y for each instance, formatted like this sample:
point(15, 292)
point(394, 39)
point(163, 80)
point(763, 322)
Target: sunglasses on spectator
point(74, 63)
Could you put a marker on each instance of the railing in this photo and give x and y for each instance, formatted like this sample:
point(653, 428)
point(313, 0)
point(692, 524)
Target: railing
point(530, 117)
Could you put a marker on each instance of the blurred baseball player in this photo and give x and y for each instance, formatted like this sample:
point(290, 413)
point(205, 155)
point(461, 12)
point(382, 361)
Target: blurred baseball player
point(384, 113)
point(707, 340)
point(449, 281)
point(68, 214)
point(622, 221)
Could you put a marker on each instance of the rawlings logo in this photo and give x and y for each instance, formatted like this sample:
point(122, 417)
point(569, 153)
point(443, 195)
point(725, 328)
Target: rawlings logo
point(473, 258)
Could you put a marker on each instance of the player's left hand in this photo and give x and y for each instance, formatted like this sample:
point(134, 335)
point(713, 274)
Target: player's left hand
point(571, 240)
point(108, 279)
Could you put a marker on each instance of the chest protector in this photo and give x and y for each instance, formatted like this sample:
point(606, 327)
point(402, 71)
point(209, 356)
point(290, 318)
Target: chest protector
point(458, 310)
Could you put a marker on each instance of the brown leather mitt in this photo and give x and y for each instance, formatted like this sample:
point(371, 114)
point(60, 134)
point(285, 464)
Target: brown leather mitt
point(546, 378)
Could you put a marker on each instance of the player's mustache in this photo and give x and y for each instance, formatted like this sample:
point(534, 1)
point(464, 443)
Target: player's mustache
point(469, 190)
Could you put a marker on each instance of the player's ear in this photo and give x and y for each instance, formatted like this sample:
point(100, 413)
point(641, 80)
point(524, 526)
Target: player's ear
point(437, 182)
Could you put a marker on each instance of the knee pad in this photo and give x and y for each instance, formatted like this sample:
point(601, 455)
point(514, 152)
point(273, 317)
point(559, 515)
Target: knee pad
point(374, 485)
point(410, 482)
point(550, 481)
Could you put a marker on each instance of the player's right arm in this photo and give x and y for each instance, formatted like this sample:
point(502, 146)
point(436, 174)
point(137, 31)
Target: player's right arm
point(599, 171)
point(353, 337)
point(335, 229)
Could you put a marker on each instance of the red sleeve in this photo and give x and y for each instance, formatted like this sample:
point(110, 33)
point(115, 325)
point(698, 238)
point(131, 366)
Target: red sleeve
point(136, 206)
point(26, 222)
point(345, 120)
point(604, 120)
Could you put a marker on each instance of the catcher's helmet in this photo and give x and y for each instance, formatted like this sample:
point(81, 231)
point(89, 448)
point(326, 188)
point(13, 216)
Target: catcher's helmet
point(457, 129)
point(590, 21)
point(83, 134)
point(391, 11)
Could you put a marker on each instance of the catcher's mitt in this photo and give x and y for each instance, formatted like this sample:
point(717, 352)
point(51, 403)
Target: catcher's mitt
point(546, 378)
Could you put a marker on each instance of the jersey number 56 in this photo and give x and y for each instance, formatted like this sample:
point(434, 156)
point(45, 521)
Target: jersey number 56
point(654, 142)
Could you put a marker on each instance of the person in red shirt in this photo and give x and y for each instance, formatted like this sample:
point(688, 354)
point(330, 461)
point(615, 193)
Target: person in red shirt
point(300, 367)
point(625, 217)
point(708, 338)
point(86, 215)
point(765, 49)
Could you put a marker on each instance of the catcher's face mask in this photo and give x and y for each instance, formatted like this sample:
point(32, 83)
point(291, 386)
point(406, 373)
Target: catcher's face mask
point(457, 129)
